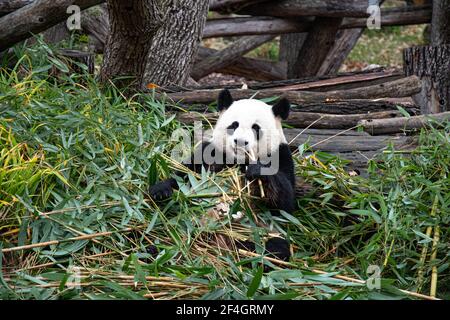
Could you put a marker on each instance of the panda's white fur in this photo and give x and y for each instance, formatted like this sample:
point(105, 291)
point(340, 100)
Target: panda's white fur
point(247, 113)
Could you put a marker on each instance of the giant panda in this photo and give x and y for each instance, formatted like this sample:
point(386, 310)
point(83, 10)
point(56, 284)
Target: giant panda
point(248, 133)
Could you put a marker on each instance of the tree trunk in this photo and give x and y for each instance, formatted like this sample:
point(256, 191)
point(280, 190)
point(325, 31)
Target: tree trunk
point(432, 65)
point(133, 24)
point(174, 47)
point(290, 46)
point(320, 40)
point(440, 28)
point(345, 42)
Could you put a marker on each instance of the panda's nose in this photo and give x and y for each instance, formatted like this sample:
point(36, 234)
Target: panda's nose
point(240, 142)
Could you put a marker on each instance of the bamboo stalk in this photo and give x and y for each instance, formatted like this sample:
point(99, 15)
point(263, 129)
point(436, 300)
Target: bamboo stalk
point(284, 263)
point(261, 189)
point(434, 273)
point(48, 243)
point(423, 255)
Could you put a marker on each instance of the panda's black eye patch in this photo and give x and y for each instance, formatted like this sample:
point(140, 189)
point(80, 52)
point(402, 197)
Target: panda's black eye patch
point(232, 127)
point(257, 130)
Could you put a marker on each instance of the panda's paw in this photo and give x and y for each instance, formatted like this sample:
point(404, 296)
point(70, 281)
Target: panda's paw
point(254, 172)
point(161, 190)
point(278, 248)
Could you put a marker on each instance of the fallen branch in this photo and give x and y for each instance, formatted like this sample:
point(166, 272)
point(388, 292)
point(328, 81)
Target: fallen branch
point(228, 55)
point(304, 119)
point(35, 18)
point(8, 6)
point(404, 87)
point(340, 81)
point(245, 67)
point(397, 125)
point(230, 5)
point(240, 26)
point(296, 8)
point(53, 242)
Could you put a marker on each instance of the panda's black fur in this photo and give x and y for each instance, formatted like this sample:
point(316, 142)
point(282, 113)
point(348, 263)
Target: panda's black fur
point(279, 188)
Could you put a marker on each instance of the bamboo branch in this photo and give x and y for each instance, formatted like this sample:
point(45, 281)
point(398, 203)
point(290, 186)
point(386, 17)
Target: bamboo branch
point(53, 242)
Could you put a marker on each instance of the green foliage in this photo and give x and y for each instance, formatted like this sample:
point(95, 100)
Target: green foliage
point(80, 158)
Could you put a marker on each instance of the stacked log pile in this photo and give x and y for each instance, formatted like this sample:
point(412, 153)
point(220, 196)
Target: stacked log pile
point(316, 37)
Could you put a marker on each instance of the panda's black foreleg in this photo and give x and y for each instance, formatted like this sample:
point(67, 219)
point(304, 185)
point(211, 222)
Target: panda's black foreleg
point(280, 193)
point(278, 189)
point(164, 189)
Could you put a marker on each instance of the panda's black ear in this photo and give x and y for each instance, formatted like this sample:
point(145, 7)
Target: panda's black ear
point(282, 108)
point(225, 100)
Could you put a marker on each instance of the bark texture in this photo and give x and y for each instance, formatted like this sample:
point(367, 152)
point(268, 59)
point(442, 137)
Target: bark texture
point(174, 47)
point(95, 24)
point(295, 8)
point(290, 46)
point(389, 126)
point(7, 6)
point(245, 67)
point(431, 64)
point(318, 43)
point(345, 42)
point(405, 87)
point(133, 25)
point(35, 18)
point(440, 28)
point(227, 6)
point(227, 56)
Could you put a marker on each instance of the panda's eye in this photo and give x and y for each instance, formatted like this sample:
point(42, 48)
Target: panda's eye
point(257, 130)
point(232, 127)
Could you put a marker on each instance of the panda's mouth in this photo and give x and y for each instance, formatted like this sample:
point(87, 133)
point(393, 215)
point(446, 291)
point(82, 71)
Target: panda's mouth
point(243, 155)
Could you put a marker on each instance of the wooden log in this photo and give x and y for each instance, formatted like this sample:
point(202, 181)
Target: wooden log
point(228, 55)
point(400, 16)
point(86, 58)
point(240, 26)
point(245, 67)
point(8, 6)
point(397, 125)
point(343, 143)
point(395, 89)
point(228, 6)
point(356, 106)
point(296, 8)
point(345, 42)
point(432, 65)
point(35, 18)
point(342, 107)
point(290, 45)
point(318, 43)
point(95, 23)
point(341, 81)
point(304, 119)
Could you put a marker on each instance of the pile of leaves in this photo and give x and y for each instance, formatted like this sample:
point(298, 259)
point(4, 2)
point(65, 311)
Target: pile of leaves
point(76, 161)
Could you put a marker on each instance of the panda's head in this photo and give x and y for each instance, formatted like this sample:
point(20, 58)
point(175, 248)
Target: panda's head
point(249, 128)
